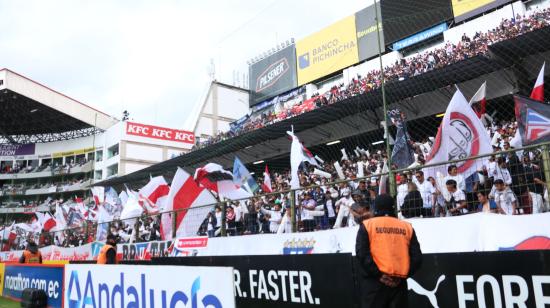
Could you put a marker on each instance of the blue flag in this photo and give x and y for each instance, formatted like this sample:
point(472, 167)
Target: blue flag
point(242, 177)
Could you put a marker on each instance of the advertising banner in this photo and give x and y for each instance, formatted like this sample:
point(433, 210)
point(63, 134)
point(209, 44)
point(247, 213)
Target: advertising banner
point(74, 152)
point(464, 9)
point(143, 251)
point(327, 51)
point(403, 20)
point(45, 277)
point(161, 133)
point(17, 149)
point(424, 35)
point(458, 280)
point(273, 75)
point(365, 26)
point(148, 286)
point(483, 279)
point(289, 281)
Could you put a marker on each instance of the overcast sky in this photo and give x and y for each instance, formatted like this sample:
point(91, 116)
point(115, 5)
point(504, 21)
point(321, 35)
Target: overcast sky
point(151, 58)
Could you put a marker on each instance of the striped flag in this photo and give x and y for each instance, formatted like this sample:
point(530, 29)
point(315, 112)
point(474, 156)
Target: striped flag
point(538, 91)
point(192, 203)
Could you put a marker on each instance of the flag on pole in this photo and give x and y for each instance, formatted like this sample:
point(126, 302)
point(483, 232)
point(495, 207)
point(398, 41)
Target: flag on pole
point(155, 189)
point(402, 154)
point(460, 135)
point(298, 154)
point(242, 177)
point(103, 219)
point(266, 186)
point(99, 194)
point(191, 201)
point(533, 120)
point(478, 102)
point(538, 90)
point(215, 178)
point(46, 221)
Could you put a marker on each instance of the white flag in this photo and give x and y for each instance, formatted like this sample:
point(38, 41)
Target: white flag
point(461, 135)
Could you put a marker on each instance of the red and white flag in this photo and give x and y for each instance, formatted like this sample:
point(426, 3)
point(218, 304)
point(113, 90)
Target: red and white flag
point(220, 181)
point(155, 189)
point(538, 91)
point(479, 100)
point(460, 135)
point(46, 220)
point(298, 154)
point(191, 202)
point(266, 186)
point(99, 194)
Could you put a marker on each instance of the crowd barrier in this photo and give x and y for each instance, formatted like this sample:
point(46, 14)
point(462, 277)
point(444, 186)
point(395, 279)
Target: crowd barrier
point(469, 233)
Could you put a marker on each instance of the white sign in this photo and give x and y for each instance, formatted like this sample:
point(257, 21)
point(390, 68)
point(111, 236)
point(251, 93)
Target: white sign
point(148, 286)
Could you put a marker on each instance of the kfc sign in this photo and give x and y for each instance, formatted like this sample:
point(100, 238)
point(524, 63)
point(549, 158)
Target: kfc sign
point(161, 133)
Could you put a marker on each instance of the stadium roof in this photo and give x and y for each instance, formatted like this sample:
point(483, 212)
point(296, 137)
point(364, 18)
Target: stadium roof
point(31, 112)
point(354, 116)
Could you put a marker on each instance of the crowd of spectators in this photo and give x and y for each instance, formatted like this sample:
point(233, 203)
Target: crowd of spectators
point(449, 53)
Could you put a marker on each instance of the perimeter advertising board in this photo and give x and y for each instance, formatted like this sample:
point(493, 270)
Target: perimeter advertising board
point(327, 51)
point(285, 281)
point(45, 277)
point(464, 9)
point(148, 286)
point(365, 25)
point(273, 75)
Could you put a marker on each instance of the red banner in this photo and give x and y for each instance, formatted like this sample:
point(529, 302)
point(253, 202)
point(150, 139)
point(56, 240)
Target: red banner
point(162, 133)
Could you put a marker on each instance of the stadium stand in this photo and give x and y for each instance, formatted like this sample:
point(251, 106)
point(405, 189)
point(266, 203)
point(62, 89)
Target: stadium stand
point(324, 198)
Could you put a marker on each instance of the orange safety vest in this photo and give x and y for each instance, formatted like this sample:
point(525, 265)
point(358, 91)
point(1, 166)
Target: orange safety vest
point(102, 257)
point(389, 240)
point(32, 257)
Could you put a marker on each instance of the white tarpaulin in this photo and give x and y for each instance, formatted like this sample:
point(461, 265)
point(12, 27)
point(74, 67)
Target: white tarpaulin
point(469, 233)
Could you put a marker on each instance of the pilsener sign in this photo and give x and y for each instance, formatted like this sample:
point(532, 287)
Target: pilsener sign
point(162, 133)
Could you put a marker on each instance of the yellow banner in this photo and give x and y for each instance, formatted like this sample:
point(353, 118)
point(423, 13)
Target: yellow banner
point(72, 153)
point(2, 271)
point(327, 51)
point(461, 7)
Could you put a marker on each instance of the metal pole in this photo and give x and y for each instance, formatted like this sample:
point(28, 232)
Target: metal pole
point(223, 229)
point(174, 223)
point(293, 211)
point(546, 164)
point(393, 189)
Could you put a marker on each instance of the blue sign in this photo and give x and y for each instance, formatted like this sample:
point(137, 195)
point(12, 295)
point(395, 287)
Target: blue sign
point(419, 37)
point(48, 278)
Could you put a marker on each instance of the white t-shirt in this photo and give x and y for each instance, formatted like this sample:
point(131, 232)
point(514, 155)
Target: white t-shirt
point(426, 190)
point(458, 196)
point(402, 191)
point(459, 179)
point(330, 209)
point(504, 199)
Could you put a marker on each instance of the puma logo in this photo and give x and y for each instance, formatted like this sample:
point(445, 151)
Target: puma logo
point(418, 289)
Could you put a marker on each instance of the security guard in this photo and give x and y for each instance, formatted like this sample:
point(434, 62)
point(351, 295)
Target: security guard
point(388, 253)
point(107, 254)
point(31, 255)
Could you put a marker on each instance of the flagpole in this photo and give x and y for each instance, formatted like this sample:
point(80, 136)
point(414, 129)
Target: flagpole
point(392, 189)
